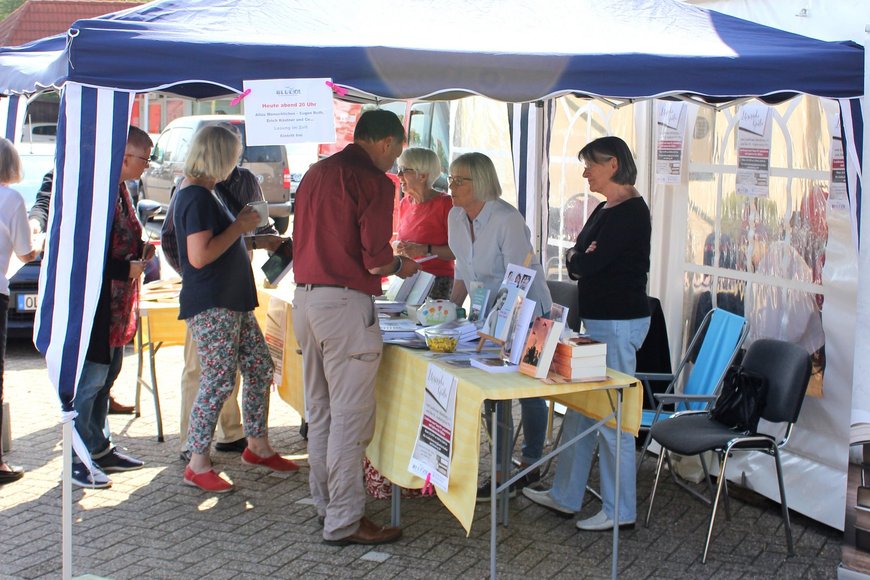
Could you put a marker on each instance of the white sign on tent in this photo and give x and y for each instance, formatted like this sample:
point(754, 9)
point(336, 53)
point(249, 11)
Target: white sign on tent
point(281, 111)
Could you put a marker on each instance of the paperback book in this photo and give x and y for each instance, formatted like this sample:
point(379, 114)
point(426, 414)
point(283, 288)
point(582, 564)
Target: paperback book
point(479, 303)
point(420, 289)
point(493, 364)
point(508, 299)
point(580, 346)
point(540, 347)
point(519, 331)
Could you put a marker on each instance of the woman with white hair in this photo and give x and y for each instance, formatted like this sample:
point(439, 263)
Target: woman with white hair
point(486, 234)
point(218, 298)
point(422, 229)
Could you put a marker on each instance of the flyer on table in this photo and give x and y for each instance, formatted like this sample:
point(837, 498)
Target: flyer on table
point(434, 446)
point(282, 111)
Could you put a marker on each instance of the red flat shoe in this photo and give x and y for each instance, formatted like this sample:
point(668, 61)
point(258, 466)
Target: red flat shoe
point(208, 481)
point(274, 462)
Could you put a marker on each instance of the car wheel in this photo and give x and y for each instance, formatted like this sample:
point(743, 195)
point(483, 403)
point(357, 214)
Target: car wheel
point(281, 224)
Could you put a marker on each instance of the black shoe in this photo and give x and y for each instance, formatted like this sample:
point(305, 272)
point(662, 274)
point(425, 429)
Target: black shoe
point(483, 492)
point(14, 473)
point(233, 446)
point(115, 461)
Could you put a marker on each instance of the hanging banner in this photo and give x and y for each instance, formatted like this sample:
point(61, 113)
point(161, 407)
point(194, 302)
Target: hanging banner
point(282, 111)
point(671, 124)
point(839, 197)
point(434, 447)
point(753, 151)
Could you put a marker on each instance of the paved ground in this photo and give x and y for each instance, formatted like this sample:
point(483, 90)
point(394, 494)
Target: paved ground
point(149, 525)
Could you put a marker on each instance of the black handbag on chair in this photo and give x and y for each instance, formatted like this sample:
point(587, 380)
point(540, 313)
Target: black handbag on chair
point(741, 402)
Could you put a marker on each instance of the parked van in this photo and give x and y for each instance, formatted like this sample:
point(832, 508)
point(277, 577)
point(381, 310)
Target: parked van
point(268, 162)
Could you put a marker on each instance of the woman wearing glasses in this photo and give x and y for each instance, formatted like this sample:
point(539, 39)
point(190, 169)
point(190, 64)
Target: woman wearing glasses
point(486, 234)
point(422, 230)
point(610, 260)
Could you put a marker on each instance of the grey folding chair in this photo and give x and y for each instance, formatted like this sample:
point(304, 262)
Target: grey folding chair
point(787, 367)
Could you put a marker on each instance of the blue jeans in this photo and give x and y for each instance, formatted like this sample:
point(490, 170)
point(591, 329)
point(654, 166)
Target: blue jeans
point(91, 402)
point(534, 419)
point(623, 338)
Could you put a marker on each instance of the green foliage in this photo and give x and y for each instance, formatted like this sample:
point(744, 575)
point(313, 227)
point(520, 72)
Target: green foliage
point(7, 7)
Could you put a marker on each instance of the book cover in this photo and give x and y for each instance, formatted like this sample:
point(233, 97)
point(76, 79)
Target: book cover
point(279, 263)
point(581, 346)
point(400, 288)
point(519, 276)
point(479, 303)
point(493, 365)
point(423, 282)
point(519, 331)
point(507, 300)
point(540, 347)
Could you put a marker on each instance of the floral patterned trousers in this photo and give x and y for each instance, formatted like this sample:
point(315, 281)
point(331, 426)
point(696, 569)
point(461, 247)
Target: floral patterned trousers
point(227, 340)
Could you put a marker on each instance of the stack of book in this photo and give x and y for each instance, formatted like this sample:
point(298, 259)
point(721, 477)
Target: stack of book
point(581, 359)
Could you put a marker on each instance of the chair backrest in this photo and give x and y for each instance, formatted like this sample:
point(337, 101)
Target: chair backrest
point(725, 333)
point(566, 294)
point(787, 367)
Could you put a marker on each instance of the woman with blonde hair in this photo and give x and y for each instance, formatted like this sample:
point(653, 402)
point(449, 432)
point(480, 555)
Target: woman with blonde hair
point(14, 237)
point(217, 300)
point(486, 234)
point(422, 228)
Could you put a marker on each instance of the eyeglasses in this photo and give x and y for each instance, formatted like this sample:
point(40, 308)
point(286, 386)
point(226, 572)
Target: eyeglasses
point(404, 170)
point(457, 181)
point(145, 159)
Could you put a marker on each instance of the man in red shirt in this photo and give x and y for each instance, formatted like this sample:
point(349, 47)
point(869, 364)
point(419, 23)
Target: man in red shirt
point(341, 238)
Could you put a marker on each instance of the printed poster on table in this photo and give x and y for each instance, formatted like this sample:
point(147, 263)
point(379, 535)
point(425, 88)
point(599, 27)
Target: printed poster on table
point(434, 446)
point(753, 151)
point(671, 123)
point(281, 111)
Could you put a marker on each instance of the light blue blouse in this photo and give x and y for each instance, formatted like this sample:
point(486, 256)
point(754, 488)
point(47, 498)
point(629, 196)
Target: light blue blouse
point(501, 237)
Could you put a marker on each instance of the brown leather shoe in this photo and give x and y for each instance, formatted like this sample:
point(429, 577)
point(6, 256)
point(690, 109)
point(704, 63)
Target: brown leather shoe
point(116, 408)
point(368, 533)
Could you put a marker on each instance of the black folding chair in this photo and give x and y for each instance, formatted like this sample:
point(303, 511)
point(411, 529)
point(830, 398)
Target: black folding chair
point(787, 367)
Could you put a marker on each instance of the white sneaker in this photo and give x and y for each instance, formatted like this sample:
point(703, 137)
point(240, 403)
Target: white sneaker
point(600, 522)
point(543, 498)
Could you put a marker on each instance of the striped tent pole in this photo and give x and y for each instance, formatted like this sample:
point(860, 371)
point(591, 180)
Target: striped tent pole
point(91, 138)
point(530, 129)
point(12, 116)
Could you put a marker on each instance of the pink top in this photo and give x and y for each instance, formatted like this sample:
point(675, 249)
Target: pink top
point(426, 223)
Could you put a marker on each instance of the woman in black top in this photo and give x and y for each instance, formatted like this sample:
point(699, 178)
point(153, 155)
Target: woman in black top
point(610, 262)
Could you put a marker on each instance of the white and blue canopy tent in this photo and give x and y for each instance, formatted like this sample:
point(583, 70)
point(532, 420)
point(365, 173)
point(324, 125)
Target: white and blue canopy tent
point(513, 51)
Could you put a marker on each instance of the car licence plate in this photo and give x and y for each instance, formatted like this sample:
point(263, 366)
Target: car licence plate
point(27, 302)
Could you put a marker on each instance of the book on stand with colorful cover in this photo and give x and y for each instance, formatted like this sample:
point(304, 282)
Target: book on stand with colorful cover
point(540, 347)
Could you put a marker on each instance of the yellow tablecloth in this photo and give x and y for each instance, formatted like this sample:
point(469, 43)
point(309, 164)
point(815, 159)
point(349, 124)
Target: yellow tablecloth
point(399, 394)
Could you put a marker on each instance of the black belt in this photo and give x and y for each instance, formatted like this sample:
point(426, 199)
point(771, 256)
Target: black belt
point(313, 286)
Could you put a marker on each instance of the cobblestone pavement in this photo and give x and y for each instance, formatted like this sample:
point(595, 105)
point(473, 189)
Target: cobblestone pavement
point(149, 525)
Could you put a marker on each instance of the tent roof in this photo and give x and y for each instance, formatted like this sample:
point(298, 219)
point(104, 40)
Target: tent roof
point(511, 50)
point(37, 19)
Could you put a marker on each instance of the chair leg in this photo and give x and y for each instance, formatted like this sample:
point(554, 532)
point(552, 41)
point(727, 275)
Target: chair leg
point(647, 440)
point(785, 517)
point(652, 496)
point(715, 505)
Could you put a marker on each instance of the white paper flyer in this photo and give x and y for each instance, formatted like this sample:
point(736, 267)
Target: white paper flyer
point(281, 111)
point(434, 447)
point(671, 123)
point(753, 151)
